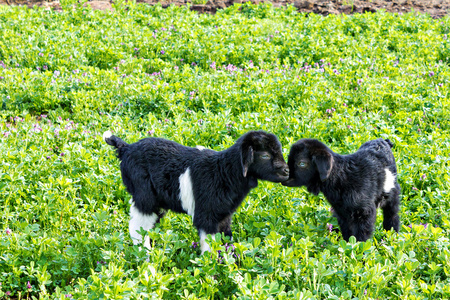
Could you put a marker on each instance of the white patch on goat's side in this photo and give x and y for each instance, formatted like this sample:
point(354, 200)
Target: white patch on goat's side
point(107, 135)
point(140, 220)
point(187, 193)
point(203, 244)
point(201, 148)
point(389, 181)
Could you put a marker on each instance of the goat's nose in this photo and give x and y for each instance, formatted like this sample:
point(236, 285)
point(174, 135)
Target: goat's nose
point(286, 171)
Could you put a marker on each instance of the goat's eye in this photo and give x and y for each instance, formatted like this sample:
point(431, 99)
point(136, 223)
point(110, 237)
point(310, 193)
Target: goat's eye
point(302, 164)
point(265, 156)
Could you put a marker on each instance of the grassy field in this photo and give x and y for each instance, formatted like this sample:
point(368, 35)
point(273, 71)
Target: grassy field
point(140, 71)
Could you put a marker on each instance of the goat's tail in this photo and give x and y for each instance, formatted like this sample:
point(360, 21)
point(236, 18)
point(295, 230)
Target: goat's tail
point(389, 143)
point(113, 140)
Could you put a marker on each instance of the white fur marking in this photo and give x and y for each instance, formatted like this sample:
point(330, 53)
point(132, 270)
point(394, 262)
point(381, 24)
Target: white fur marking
point(139, 220)
point(187, 193)
point(107, 135)
point(389, 181)
point(203, 244)
point(201, 148)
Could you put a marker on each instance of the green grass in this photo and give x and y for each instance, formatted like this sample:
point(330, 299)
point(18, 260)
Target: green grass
point(140, 71)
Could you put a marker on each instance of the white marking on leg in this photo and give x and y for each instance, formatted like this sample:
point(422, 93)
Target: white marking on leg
point(389, 181)
point(107, 135)
point(201, 148)
point(203, 244)
point(187, 193)
point(140, 220)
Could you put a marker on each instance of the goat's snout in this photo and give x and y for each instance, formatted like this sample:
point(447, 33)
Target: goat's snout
point(285, 171)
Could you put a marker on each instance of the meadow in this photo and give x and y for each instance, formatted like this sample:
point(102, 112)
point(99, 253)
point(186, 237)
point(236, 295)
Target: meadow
point(66, 77)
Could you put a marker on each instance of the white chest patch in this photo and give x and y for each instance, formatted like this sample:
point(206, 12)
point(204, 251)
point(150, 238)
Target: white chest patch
point(389, 181)
point(187, 193)
point(201, 148)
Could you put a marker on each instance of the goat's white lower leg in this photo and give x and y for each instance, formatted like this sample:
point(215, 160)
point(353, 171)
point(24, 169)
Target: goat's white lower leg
point(138, 221)
point(203, 244)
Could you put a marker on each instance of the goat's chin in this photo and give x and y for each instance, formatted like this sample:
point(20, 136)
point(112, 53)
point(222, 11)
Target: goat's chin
point(276, 178)
point(290, 182)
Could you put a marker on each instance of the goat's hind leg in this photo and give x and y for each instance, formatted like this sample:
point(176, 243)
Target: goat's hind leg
point(143, 214)
point(391, 208)
point(225, 226)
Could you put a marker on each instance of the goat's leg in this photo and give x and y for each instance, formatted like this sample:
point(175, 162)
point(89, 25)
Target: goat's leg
point(344, 226)
point(390, 210)
point(363, 223)
point(142, 221)
point(225, 226)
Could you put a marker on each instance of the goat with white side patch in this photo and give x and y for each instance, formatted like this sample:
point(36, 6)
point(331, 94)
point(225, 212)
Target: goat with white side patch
point(355, 185)
point(208, 185)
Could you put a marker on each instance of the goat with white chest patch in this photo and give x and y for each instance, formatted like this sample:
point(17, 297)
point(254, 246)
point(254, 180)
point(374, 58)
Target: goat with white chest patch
point(355, 185)
point(208, 185)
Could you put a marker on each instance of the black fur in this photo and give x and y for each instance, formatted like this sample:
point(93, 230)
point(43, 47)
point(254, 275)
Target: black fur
point(353, 184)
point(151, 169)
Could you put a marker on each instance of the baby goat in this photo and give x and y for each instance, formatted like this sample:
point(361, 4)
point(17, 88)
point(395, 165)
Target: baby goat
point(206, 184)
point(355, 184)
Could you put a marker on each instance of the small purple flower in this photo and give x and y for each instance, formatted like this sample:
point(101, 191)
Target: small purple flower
point(68, 295)
point(136, 49)
point(8, 231)
point(329, 227)
point(151, 132)
point(41, 54)
point(62, 154)
point(8, 97)
point(425, 225)
point(359, 81)
point(200, 121)
point(423, 177)
point(45, 67)
point(163, 52)
point(29, 285)
point(8, 293)
point(409, 120)
point(194, 244)
point(48, 157)
point(431, 74)
point(56, 73)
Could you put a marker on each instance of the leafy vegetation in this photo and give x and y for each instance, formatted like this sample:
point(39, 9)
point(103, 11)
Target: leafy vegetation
point(142, 71)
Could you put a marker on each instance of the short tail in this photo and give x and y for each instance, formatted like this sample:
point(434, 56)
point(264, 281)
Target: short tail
point(113, 140)
point(389, 142)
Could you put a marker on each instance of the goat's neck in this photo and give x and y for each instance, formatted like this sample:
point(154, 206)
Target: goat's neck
point(337, 179)
point(231, 167)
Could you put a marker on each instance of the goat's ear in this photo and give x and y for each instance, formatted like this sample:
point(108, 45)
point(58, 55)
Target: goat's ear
point(246, 159)
point(324, 164)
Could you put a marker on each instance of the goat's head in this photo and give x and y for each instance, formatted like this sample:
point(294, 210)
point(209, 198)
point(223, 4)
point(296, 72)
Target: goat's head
point(310, 162)
point(261, 157)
